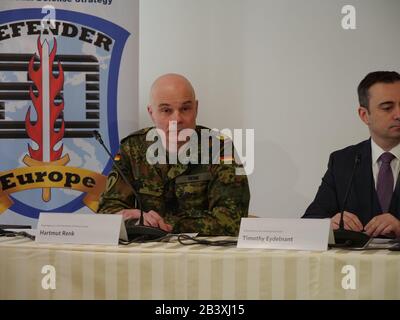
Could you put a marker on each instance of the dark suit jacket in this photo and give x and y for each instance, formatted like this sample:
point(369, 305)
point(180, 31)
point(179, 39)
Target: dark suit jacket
point(363, 200)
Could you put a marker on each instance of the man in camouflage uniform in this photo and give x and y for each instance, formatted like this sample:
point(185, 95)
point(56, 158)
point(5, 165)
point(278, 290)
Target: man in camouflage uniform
point(206, 198)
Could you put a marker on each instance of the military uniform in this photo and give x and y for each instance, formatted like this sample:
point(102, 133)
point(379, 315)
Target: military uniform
point(205, 198)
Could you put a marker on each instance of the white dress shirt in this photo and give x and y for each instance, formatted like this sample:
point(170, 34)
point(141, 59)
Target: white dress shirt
point(377, 151)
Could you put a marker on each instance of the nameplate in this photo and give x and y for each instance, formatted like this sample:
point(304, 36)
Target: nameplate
point(286, 234)
point(102, 229)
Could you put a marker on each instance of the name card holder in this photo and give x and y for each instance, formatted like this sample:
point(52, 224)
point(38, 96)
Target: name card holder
point(98, 229)
point(286, 234)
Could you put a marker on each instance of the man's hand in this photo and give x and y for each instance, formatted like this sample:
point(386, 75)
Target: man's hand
point(130, 214)
point(153, 219)
point(150, 218)
point(351, 222)
point(384, 224)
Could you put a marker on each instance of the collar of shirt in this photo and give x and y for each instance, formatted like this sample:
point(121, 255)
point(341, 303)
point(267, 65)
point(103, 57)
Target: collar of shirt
point(376, 152)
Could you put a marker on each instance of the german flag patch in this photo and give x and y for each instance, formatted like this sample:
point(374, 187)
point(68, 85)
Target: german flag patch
point(117, 157)
point(226, 159)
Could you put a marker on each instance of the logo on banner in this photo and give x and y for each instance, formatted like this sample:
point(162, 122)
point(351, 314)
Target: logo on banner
point(57, 85)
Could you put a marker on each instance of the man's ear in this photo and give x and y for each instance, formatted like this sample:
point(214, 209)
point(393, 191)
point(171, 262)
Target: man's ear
point(197, 106)
point(150, 111)
point(363, 113)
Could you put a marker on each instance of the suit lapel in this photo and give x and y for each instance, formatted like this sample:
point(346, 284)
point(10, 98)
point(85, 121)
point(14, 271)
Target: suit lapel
point(363, 182)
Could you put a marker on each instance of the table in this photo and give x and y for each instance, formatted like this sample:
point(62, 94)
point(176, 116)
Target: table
point(172, 271)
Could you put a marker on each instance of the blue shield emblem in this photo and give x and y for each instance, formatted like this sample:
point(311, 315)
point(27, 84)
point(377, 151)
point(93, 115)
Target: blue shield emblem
point(56, 87)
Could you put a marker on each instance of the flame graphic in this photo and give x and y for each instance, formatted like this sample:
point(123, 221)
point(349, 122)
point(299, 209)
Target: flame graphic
point(35, 130)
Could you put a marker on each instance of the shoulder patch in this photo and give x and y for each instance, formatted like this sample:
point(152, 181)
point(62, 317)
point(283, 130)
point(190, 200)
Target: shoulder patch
point(112, 180)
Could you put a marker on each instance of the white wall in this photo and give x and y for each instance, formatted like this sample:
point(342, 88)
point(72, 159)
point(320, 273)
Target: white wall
point(285, 68)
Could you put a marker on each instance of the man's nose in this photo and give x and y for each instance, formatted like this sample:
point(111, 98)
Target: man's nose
point(397, 112)
point(177, 117)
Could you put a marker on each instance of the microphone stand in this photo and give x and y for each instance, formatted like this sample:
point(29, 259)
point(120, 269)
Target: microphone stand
point(347, 238)
point(136, 232)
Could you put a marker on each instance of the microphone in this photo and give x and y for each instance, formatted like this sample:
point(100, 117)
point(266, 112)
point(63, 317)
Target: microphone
point(135, 232)
point(348, 238)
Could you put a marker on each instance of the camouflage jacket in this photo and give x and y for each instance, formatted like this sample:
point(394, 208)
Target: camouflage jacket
point(205, 198)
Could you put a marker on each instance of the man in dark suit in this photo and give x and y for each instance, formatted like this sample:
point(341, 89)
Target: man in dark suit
point(373, 203)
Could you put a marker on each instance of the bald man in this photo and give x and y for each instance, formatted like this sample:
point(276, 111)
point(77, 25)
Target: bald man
point(209, 199)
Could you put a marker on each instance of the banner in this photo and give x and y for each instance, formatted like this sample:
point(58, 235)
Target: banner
point(65, 67)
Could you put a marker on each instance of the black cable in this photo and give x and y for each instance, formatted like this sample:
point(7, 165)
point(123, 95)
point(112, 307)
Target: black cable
point(5, 233)
point(183, 239)
point(143, 239)
point(217, 243)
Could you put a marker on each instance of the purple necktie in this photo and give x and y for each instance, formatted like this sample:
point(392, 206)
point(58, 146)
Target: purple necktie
point(384, 186)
